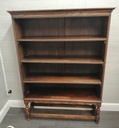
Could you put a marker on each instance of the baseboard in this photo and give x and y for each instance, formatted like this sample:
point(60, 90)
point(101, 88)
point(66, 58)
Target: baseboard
point(4, 111)
point(110, 107)
point(16, 103)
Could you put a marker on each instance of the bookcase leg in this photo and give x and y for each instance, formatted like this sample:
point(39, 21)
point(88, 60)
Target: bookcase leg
point(27, 108)
point(94, 110)
point(97, 114)
point(32, 105)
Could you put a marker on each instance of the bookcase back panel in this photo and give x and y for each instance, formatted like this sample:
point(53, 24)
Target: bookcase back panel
point(84, 49)
point(91, 26)
point(63, 49)
point(79, 86)
point(42, 49)
point(39, 27)
point(63, 27)
point(63, 69)
point(34, 86)
point(63, 93)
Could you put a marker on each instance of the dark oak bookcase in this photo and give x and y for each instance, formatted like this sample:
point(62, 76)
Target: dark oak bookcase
point(62, 56)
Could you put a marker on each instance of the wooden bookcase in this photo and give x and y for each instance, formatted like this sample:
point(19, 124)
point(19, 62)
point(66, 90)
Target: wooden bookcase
point(62, 56)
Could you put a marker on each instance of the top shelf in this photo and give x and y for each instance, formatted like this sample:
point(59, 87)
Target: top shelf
point(49, 39)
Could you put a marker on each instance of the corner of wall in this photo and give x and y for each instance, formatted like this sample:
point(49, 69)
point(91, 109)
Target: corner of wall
point(4, 111)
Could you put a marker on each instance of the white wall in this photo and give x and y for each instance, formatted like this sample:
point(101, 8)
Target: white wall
point(111, 86)
point(3, 95)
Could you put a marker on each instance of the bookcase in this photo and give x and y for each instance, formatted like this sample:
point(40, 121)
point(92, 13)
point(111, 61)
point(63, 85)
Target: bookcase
point(62, 57)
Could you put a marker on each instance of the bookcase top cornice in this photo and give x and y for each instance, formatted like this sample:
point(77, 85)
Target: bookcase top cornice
point(19, 14)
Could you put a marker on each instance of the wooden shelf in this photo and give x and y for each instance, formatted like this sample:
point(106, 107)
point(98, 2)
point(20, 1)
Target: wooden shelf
point(63, 60)
point(60, 95)
point(62, 80)
point(51, 39)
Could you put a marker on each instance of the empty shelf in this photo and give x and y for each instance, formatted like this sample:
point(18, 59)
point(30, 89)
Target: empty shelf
point(51, 39)
point(63, 60)
point(62, 79)
point(62, 95)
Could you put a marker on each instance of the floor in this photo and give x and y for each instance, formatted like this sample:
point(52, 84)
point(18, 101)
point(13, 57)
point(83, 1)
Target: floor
point(15, 117)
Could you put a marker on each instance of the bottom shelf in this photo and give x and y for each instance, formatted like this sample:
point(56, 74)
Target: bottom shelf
point(62, 95)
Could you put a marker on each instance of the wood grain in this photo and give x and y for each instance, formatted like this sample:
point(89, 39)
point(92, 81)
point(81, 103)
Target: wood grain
point(65, 116)
point(62, 79)
point(60, 95)
point(62, 47)
point(51, 39)
point(61, 13)
point(63, 61)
